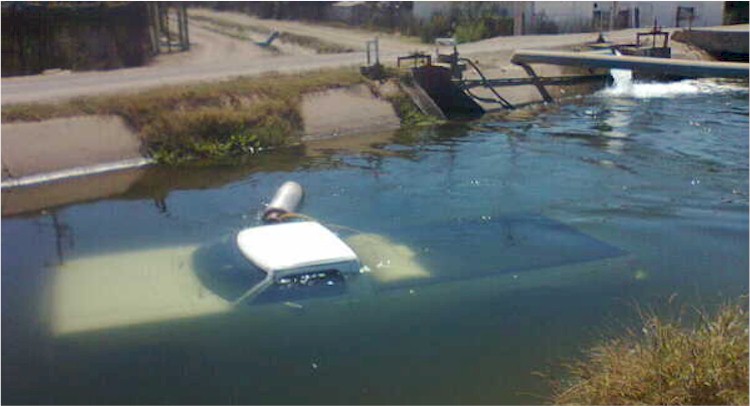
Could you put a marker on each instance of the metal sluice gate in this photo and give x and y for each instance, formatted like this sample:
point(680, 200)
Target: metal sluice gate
point(457, 66)
point(446, 83)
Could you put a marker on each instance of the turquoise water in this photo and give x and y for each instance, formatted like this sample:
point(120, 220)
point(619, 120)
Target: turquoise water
point(540, 230)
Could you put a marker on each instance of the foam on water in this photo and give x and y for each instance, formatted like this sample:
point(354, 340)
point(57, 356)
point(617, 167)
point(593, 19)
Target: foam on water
point(624, 86)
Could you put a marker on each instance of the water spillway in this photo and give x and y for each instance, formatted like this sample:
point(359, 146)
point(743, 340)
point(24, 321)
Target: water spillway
point(687, 68)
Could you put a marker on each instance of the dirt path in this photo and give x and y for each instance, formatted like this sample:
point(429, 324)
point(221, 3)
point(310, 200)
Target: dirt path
point(215, 56)
point(349, 37)
point(207, 47)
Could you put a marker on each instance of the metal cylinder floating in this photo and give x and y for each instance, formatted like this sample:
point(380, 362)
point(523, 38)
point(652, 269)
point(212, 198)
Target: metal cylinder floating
point(286, 200)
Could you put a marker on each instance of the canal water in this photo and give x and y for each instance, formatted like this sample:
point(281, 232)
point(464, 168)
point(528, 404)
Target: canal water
point(510, 244)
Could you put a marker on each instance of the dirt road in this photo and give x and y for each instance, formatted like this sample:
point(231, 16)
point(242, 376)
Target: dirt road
point(215, 57)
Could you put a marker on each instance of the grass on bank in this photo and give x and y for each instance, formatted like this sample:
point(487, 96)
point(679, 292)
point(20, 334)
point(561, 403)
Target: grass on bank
point(208, 120)
point(666, 363)
point(213, 120)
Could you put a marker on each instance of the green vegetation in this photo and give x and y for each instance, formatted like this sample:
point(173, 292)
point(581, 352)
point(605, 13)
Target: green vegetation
point(215, 120)
point(482, 27)
point(467, 22)
point(177, 123)
point(239, 31)
point(409, 114)
point(736, 12)
point(667, 363)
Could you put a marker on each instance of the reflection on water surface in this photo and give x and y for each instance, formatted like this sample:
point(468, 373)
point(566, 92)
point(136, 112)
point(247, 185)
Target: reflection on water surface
point(532, 232)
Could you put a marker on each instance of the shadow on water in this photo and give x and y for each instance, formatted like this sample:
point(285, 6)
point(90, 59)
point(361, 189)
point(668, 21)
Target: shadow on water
point(510, 244)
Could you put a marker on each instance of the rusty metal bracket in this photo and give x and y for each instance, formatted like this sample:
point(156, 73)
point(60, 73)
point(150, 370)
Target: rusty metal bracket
point(419, 58)
point(538, 83)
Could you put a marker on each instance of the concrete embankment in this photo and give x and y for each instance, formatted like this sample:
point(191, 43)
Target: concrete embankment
point(53, 148)
point(729, 43)
point(348, 111)
point(49, 150)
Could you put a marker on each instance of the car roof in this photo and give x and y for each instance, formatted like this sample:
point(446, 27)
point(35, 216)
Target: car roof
point(292, 245)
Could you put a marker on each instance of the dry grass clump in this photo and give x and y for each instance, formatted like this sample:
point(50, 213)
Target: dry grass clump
point(205, 120)
point(666, 363)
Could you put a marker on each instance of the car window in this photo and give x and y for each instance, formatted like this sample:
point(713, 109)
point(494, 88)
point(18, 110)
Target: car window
point(318, 283)
point(223, 269)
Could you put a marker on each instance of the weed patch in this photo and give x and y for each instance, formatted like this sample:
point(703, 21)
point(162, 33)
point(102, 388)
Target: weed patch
point(666, 362)
point(408, 112)
point(208, 120)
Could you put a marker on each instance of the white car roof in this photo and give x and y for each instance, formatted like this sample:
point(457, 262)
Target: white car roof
point(292, 245)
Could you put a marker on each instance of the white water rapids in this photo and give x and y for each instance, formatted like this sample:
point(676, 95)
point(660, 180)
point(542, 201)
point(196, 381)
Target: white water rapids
point(625, 86)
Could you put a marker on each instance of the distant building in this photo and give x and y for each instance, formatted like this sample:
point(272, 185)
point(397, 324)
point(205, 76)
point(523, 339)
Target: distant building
point(580, 16)
point(570, 16)
point(347, 11)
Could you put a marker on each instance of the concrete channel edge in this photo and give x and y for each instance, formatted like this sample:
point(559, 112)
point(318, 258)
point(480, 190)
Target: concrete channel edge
point(37, 179)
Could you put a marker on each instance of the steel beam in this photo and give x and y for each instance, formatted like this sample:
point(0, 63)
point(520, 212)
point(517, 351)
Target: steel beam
point(681, 67)
point(547, 81)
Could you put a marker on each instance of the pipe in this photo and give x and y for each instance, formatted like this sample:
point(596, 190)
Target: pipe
point(286, 200)
point(682, 67)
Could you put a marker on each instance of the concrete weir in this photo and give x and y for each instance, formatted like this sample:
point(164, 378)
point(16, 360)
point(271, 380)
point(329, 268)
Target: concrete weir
point(687, 68)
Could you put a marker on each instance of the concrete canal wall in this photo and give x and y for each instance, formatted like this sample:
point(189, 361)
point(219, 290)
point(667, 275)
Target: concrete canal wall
point(348, 111)
point(88, 143)
point(33, 148)
point(729, 43)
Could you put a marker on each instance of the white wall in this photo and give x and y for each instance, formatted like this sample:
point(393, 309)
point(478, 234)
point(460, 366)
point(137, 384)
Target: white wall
point(569, 14)
point(707, 13)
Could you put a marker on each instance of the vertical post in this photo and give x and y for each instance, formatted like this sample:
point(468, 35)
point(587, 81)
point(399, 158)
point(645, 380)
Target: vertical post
point(187, 33)
point(518, 18)
point(40, 29)
point(180, 33)
point(165, 27)
point(377, 52)
point(183, 28)
point(368, 52)
point(455, 71)
point(169, 33)
point(151, 35)
point(157, 26)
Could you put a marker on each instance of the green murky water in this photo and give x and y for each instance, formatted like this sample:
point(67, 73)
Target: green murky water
point(538, 230)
